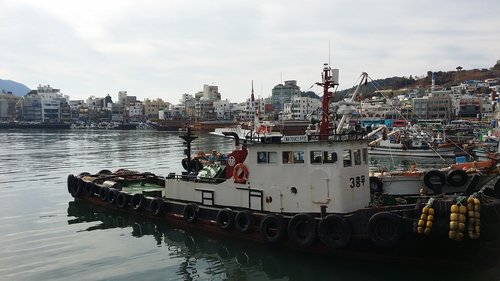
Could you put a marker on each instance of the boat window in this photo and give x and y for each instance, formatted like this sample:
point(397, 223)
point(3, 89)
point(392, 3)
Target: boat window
point(261, 157)
point(272, 157)
point(329, 156)
point(365, 156)
point(298, 157)
point(316, 157)
point(347, 158)
point(293, 157)
point(264, 157)
point(287, 157)
point(357, 157)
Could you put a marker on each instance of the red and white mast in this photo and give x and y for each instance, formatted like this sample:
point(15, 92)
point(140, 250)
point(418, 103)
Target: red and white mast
point(330, 79)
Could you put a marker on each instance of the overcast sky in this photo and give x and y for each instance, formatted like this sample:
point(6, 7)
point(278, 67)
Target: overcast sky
point(162, 49)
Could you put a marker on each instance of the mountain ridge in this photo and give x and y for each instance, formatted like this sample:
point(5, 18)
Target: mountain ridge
point(16, 88)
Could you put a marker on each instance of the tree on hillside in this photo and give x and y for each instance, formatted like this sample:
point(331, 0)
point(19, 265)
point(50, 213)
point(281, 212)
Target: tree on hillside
point(497, 65)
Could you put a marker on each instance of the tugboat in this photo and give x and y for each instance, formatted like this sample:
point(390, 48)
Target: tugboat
point(309, 192)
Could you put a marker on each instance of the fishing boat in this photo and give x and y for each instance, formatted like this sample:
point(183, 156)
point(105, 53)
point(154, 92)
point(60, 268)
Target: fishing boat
point(454, 178)
point(308, 192)
point(406, 143)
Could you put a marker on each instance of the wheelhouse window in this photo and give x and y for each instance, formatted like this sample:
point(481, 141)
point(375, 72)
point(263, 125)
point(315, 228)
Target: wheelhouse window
point(365, 156)
point(316, 157)
point(293, 157)
point(323, 157)
point(265, 157)
point(329, 157)
point(347, 158)
point(357, 157)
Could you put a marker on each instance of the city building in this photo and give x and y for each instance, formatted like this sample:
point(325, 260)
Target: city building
point(282, 94)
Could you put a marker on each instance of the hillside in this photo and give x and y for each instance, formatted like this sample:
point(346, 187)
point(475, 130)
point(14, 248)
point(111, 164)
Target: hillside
point(16, 88)
point(444, 79)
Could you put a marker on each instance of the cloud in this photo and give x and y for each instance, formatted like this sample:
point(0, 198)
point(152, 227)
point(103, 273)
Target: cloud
point(167, 48)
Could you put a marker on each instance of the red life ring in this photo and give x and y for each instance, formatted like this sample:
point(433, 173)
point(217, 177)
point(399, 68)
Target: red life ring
point(240, 173)
point(261, 130)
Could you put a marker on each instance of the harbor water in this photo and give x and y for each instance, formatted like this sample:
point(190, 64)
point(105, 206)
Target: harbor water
point(46, 235)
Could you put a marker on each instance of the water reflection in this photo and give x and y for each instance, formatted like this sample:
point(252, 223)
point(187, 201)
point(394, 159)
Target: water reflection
point(200, 257)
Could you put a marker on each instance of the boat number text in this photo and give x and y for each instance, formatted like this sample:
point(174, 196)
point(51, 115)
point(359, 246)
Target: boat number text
point(357, 181)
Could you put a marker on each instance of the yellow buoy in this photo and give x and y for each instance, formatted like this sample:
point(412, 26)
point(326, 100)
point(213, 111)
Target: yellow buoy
point(462, 209)
point(428, 224)
point(425, 210)
point(454, 217)
point(461, 227)
point(430, 211)
point(423, 217)
point(453, 225)
point(461, 218)
point(421, 223)
point(420, 230)
point(427, 231)
point(430, 217)
point(452, 234)
point(454, 208)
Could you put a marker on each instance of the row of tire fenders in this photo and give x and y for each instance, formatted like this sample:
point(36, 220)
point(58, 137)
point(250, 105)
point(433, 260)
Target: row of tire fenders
point(302, 229)
point(433, 179)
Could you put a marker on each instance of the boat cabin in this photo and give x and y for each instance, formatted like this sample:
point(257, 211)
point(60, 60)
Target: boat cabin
point(287, 174)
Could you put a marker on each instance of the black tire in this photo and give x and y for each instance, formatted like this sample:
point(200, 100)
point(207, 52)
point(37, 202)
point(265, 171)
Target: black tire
point(190, 213)
point(244, 221)
point(335, 231)
point(302, 230)
point(273, 229)
point(112, 194)
point(88, 189)
point(376, 185)
point(104, 172)
point(435, 180)
point(457, 177)
point(103, 193)
point(225, 219)
point(77, 189)
point(71, 181)
point(385, 229)
point(122, 200)
point(185, 164)
point(138, 202)
point(156, 206)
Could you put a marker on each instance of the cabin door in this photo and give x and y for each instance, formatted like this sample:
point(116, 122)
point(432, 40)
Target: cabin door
point(320, 185)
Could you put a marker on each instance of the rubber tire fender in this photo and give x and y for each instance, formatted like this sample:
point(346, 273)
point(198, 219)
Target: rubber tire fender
point(112, 194)
point(104, 172)
point(431, 174)
point(457, 178)
point(270, 222)
point(225, 219)
point(122, 200)
point(302, 223)
point(71, 181)
point(385, 229)
point(156, 206)
point(103, 193)
point(190, 213)
point(77, 188)
point(138, 202)
point(378, 183)
point(88, 189)
point(335, 231)
point(244, 221)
